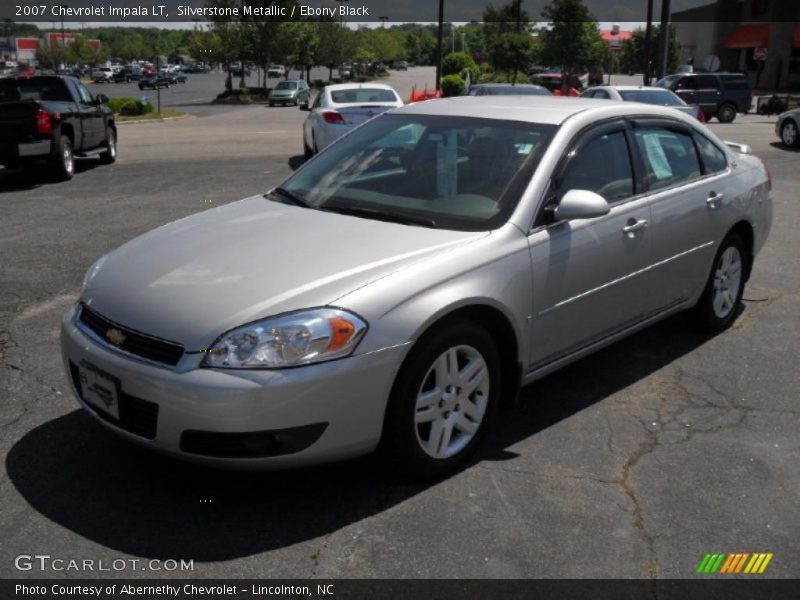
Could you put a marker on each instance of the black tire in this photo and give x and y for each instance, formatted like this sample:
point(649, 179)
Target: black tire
point(62, 165)
point(110, 155)
point(787, 129)
point(726, 113)
point(402, 442)
point(704, 314)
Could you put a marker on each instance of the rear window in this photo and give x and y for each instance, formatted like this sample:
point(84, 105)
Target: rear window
point(665, 98)
point(361, 95)
point(37, 89)
point(516, 90)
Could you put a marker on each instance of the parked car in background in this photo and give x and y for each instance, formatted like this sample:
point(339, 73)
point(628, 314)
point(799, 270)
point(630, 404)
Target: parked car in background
point(127, 74)
point(401, 65)
point(154, 81)
point(276, 71)
point(102, 74)
point(506, 89)
point(787, 128)
point(442, 255)
point(646, 95)
point(720, 95)
point(551, 79)
point(339, 108)
point(54, 119)
point(346, 72)
point(292, 92)
point(179, 77)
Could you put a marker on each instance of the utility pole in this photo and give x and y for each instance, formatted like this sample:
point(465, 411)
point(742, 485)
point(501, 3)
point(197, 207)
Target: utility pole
point(663, 41)
point(519, 15)
point(648, 40)
point(383, 22)
point(439, 42)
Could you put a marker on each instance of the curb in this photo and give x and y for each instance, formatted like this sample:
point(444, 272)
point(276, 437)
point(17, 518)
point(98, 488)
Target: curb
point(164, 120)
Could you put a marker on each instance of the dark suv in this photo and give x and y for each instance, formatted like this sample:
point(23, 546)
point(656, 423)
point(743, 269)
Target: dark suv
point(719, 95)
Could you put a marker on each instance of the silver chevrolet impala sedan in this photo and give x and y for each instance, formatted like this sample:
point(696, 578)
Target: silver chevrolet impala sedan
point(399, 286)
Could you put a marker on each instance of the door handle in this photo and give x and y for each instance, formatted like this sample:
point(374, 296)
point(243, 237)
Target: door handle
point(633, 226)
point(713, 198)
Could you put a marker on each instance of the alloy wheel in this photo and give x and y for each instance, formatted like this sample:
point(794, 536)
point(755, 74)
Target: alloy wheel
point(451, 402)
point(727, 282)
point(789, 133)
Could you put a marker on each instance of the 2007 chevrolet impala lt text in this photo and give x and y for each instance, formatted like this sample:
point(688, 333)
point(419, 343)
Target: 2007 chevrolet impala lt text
point(400, 284)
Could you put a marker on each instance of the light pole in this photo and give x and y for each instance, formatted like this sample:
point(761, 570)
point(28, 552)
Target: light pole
point(383, 21)
point(663, 40)
point(648, 40)
point(61, 8)
point(439, 34)
point(341, 6)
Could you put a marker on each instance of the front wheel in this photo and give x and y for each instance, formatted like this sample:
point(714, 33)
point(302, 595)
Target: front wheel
point(443, 400)
point(722, 297)
point(789, 134)
point(110, 155)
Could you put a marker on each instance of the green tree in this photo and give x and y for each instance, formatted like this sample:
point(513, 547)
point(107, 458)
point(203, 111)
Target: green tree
point(337, 45)
point(632, 55)
point(507, 37)
point(573, 41)
point(420, 45)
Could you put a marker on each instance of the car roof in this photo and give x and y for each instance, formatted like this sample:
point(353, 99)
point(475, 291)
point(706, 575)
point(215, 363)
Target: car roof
point(548, 110)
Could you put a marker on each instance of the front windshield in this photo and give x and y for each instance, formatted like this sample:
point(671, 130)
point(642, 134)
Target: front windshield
point(458, 173)
point(286, 85)
point(664, 98)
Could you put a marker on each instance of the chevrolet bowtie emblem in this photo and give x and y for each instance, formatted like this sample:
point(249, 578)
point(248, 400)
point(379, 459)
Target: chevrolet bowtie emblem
point(115, 336)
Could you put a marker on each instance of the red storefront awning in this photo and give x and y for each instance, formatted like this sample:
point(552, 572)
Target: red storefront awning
point(796, 36)
point(749, 36)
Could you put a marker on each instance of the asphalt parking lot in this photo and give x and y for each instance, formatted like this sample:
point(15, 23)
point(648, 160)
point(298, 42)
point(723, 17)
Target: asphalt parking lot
point(634, 462)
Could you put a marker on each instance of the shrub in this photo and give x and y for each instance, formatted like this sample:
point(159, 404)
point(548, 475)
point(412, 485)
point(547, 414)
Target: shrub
point(129, 106)
point(452, 85)
point(457, 63)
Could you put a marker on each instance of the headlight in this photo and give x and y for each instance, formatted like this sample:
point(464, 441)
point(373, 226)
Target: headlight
point(296, 339)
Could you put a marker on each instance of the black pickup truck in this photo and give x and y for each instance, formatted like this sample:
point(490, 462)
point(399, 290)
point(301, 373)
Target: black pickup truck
point(55, 119)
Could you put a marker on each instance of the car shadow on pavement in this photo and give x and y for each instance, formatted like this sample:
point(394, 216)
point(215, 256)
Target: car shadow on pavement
point(33, 176)
point(784, 147)
point(133, 501)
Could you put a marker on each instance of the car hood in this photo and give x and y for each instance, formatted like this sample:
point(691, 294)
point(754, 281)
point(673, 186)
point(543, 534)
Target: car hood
point(191, 280)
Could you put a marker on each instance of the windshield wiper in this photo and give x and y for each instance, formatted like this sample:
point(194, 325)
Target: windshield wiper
point(379, 215)
point(291, 197)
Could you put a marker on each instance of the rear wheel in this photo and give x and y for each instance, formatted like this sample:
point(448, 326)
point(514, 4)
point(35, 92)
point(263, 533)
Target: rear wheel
point(789, 134)
point(726, 113)
point(110, 155)
point(63, 163)
point(722, 297)
point(443, 400)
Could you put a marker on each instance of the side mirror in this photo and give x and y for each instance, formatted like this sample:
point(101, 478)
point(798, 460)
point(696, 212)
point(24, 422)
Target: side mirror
point(101, 99)
point(581, 204)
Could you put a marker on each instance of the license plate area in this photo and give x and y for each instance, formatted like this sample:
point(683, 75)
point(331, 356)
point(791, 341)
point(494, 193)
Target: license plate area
point(99, 389)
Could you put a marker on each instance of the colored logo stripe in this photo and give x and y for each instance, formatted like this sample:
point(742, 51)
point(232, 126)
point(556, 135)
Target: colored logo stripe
point(734, 562)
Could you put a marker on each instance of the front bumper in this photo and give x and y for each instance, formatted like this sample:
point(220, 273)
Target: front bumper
point(348, 396)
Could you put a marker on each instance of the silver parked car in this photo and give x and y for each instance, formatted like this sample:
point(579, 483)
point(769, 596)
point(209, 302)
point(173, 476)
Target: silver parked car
point(786, 128)
point(399, 285)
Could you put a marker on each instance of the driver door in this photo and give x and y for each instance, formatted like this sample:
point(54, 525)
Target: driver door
point(590, 276)
point(92, 121)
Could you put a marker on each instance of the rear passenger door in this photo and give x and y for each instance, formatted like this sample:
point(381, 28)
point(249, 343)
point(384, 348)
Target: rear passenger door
point(686, 178)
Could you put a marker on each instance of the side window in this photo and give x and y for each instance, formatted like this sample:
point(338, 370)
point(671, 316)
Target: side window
point(603, 166)
point(602, 94)
point(684, 83)
point(669, 157)
point(706, 82)
point(714, 159)
point(86, 95)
